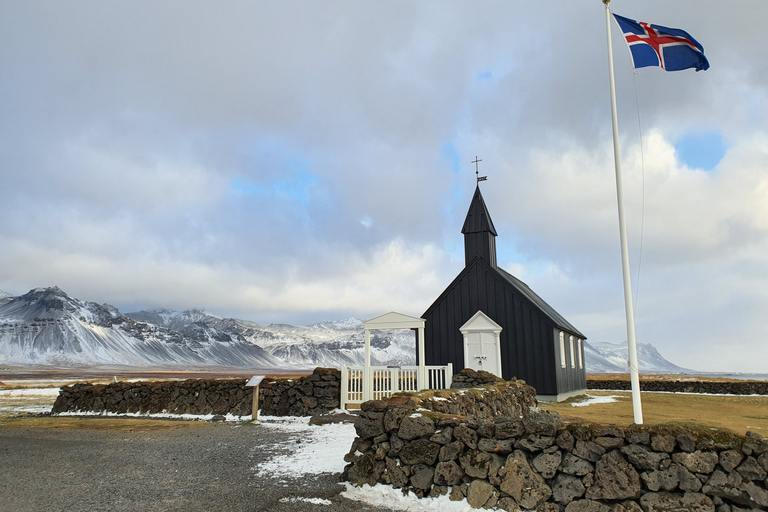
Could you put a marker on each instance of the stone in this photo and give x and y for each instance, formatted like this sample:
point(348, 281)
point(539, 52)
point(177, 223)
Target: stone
point(448, 473)
point(662, 443)
point(503, 447)
point(615, 479)
point(587, 506)
point(674, 502)
point(610, 442)
point(522, 483)
point(392, 418)
point(547, 507)
point(415, 426)
point(566, 488)
point(420, 451)
point(670, 479)
point(451, 451)
point(456, 494)
point(565, 440)
point(442, 436)
point(466, 435)
point(547, 464)
point(486, 429)
point(475, 463)
point(395, 474)
point(751, 470)
point(588, 450)
point(438, 490)
point(309, 401)
point(507, 428)
point(542, 422)
point(395, 445)
point(729, 459)
point(607, 431)
point(641, 457)
point(627, 506)
point(508, 504)
point(697, 462)
point(733, 488)
point(366, 470)
point(574, 465)
point(535, 443)
point(763, 461)
point(421, 477)
point(686, 443)
point(381, 451)
point(367, 428)
point(478, 493)
point(639, 438)
point(371, 405)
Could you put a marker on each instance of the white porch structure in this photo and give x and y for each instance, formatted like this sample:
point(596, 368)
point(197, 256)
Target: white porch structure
point(362, 383)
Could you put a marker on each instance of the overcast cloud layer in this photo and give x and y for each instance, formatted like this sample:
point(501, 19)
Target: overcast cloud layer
point(299, 161)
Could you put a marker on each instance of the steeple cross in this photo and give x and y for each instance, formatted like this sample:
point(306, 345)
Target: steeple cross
point(477, 170)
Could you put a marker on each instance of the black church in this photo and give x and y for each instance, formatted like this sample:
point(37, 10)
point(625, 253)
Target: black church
point(488, 319)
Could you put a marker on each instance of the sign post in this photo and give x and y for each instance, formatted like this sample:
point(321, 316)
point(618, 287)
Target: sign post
point(254, 383)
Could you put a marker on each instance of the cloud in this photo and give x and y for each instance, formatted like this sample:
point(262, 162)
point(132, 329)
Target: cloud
point(296, 161)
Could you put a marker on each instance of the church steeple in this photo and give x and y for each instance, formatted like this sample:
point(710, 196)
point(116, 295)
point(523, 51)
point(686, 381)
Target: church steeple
point(479, 233)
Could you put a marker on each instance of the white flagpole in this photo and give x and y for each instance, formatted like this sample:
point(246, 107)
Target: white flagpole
point(632, 345)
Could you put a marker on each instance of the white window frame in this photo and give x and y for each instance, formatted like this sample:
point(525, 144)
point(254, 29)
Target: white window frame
point(562, 349)
point(581, 357)
point(573, 356)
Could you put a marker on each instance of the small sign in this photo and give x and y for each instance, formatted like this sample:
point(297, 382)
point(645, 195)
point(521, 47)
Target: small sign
point(255, 381)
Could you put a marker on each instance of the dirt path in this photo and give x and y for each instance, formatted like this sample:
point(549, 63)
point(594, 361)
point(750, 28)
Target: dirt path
point(152, 466)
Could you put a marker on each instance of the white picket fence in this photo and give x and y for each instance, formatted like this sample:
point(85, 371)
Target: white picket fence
point(387, 380)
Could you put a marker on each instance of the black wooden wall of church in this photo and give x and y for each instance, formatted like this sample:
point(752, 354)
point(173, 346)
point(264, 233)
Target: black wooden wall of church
point(527, 336)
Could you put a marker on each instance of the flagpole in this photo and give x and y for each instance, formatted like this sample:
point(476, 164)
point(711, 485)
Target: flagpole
point(631, 343)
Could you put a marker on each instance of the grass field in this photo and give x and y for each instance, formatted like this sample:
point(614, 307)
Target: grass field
point(736, 413)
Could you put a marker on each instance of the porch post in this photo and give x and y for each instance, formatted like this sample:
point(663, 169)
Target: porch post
point(367, 377)
point(344, 388)
point(422, 376)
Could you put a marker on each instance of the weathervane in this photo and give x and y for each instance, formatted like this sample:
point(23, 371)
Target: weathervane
point(477, 170)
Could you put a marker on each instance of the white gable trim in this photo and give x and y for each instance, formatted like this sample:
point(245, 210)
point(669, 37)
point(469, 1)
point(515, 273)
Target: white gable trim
point(482, 324)
point(394, 320)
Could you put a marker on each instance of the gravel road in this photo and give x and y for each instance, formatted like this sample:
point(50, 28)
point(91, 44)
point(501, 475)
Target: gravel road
point(193, 468)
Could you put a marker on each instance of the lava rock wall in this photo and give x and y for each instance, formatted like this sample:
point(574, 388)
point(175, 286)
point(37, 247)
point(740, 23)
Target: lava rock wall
point(513, 456)
point(741, 387)
point(307, 396)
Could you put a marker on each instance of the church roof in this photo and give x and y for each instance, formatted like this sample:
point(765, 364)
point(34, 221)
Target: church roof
point(523, 288)
point(478, 219)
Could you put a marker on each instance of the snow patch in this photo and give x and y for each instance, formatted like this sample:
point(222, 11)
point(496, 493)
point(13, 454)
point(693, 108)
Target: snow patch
point(314, 450)
point(596, 400)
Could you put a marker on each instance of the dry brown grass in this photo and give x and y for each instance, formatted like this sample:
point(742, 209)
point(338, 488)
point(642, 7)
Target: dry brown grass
point(736, 413)
point(76, 423)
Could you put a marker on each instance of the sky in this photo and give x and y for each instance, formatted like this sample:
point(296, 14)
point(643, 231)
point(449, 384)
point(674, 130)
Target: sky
point(302, 161)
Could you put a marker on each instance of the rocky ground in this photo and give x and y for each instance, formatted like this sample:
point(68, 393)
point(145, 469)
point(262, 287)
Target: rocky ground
point(201, 468)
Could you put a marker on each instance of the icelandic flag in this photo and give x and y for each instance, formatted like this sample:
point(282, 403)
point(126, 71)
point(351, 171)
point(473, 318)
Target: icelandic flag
point(653, 45)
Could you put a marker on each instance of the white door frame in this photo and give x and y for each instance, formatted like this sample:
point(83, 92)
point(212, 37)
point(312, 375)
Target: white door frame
point(482, 323)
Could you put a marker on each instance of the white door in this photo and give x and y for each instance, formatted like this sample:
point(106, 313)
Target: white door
point(482, 352)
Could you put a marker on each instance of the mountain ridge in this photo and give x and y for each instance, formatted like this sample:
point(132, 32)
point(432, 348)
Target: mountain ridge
point(46, 326)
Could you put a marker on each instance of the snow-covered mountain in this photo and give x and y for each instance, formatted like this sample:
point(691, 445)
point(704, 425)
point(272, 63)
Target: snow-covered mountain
point(5, 297)
point(322, 344)
point(47, 327)
point(612, 358)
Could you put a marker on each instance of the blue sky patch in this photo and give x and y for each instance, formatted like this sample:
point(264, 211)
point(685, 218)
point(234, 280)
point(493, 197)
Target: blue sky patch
point(701, 150)
point(484, 75)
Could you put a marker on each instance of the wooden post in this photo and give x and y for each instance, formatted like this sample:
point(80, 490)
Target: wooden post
point(254, 383)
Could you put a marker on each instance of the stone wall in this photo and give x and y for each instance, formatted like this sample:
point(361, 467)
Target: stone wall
point(307, 396)
point(742, 387)
point(315, 394)
point(507, 454)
